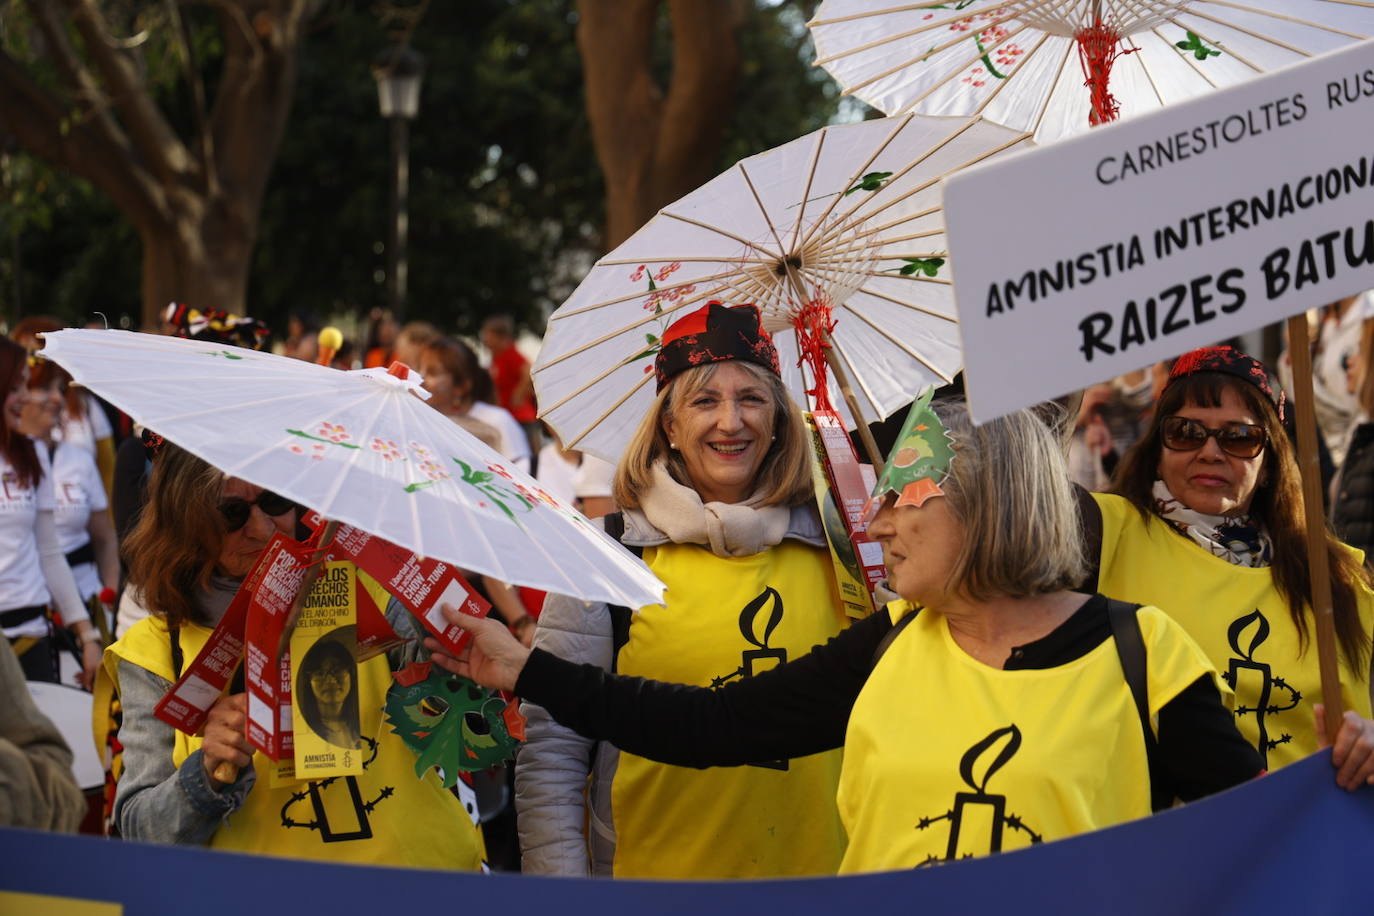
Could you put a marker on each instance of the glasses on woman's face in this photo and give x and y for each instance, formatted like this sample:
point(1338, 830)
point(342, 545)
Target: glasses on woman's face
point(237, 510)
point(338, 674)
point(1240, 440)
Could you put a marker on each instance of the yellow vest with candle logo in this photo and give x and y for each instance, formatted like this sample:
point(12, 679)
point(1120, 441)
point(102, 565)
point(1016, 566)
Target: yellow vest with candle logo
point(726, 619)
point(1238, 618)
point(386, 816)
point(947, 758)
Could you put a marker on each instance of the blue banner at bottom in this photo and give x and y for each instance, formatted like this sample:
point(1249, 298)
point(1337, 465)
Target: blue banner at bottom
point(1289, 841)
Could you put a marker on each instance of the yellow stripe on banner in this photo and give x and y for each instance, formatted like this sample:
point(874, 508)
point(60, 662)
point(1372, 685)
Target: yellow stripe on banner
point(13, 904)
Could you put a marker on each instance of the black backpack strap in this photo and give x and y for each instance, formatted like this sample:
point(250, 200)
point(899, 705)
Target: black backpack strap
point(892, 634)
point(1090, 522)
point(614, 523)
point(1130, 648)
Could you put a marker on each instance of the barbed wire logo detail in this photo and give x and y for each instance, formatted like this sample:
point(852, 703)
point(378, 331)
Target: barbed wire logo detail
point(315, 792)
point(966, 802)
point(1265, 707)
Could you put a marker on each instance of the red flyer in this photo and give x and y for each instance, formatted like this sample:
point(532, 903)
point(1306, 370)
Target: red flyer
point(201, 684)
point(269, 713)
point(851, 489)
point(423, 586)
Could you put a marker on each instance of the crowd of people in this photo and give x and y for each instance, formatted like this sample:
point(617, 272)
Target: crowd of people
point(1093, 611)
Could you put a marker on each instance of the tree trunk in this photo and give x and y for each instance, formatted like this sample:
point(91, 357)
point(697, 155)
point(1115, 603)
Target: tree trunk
point(202, 262)
point(195, 205)
point(655, 145)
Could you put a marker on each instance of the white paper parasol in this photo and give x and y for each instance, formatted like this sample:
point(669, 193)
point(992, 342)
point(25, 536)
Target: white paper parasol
point(849, 216)
point(1052, 67)
point(359, 448)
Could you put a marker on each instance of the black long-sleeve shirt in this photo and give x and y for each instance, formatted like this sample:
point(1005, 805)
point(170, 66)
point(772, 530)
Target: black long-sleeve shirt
point(803, 707)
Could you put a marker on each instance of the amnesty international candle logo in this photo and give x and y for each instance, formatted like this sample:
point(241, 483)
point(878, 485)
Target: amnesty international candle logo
point(324, 677)
point(978, 817)
point(1253, 679)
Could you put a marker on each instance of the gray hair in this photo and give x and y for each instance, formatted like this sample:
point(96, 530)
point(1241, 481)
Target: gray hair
point(1009, 487)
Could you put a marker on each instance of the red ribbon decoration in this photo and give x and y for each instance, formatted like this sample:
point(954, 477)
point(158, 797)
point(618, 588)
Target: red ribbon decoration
point(1099, 46)
point(813, 324)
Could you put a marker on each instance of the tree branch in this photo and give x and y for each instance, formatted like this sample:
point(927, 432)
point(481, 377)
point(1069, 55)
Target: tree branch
point(192, 70)
point(83, 147)
point(153, 137)
point(91, 105)
point(624, 103)
point(249, 114)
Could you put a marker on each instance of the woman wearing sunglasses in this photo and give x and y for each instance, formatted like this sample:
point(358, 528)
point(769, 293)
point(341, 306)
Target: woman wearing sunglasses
point(1207, 524)
point(198, 536)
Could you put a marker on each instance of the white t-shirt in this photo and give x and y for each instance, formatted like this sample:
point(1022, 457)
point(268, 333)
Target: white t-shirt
point(85, 432)
point(594, 478)
point(79, 492)
point(557, 474)
point(515, 445)
point(21, 571)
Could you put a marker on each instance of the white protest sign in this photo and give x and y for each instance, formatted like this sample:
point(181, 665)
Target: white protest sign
point(1143, 239)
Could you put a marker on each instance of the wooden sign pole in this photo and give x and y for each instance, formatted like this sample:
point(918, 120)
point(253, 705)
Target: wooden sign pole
point(1305, 419)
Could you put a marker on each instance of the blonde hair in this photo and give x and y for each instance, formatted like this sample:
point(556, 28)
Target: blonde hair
point(1009, 487)
point(785, 475)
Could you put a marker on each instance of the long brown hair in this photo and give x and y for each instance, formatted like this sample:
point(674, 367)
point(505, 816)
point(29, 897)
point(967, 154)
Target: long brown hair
point(173, 549)
point(18, 448)
point(1277, 504)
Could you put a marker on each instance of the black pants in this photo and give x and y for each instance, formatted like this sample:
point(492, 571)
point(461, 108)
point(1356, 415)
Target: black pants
point(39, 661)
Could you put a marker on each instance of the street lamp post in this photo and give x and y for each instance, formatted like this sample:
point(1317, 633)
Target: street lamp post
point(398, 72)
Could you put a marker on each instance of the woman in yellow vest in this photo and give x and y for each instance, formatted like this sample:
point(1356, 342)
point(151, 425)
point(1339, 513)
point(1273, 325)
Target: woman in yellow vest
point(1206, 522)
point(198, 536)
point(716, 494)
point(990, 709)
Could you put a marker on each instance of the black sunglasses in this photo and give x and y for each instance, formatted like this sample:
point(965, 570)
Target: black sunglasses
point(237, 510)
point(1240, 440)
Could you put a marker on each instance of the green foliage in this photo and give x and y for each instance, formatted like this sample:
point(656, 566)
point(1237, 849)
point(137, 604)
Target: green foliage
point(506, 196)
point(64, 249)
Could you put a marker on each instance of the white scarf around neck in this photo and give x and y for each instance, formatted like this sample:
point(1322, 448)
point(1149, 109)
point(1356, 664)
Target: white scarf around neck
point(727, 529)
point(1239, 540)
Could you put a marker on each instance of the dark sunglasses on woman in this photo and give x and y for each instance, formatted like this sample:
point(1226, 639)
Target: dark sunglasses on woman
point(1240, 440)
point(237, 510)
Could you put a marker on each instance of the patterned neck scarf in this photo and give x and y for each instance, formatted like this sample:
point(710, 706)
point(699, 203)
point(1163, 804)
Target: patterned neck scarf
point(1238, 540)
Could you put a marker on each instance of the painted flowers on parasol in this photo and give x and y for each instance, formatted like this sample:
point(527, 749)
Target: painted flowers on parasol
point(837, 236)
point(359, 448)
point(1055, 67)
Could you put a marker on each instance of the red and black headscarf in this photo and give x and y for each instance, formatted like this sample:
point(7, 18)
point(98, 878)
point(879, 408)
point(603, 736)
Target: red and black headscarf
point(715, 333)
point(1228, 361)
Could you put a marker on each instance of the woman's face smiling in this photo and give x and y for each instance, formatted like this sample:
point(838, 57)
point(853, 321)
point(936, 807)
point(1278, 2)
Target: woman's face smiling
point(1209, 480)
point(723, 431)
